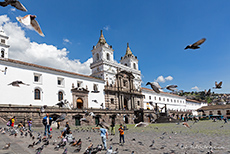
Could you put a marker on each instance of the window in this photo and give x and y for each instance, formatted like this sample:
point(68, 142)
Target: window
point(149, 97)
point(125, 83)
point(159, 99)
point(163, 99)
point(171, 100)
point(37, 78)
point(155, 98)
point(60, 81)
point(112, 101)
point(108, 56)
point(167, 100)
point(37, 94)
point(138, 103)
point(97, 56)
point(3, 41)
point(126, 64)
point(134, 65)
point(60, 96)
point(174, 101)
point(2, 53)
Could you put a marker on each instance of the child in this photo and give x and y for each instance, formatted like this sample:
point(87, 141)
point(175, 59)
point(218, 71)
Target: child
point(30, 124)
point(121, 130)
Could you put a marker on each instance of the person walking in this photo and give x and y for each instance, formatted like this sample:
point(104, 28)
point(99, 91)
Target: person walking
point(29, 124)
point(104, 136)
point(47, 123)
point(113, 126)
point(121, 130)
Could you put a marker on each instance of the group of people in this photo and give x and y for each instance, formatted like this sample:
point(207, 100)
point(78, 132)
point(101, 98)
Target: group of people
point(12, 120)
point(104, 133)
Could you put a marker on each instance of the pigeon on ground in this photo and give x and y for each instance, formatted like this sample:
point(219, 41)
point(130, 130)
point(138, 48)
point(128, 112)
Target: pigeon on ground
point(16, 83)
point(218, 85)
point(152, 143)
point(65, 151)
point(6, 146)
point(30, 20)
point(31, 145)
point(39, 150)
point(38, 142)
point(154, 87)
point(14, 3)
point(195, 45)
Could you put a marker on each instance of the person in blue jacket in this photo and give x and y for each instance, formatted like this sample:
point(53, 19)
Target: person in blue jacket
point(47, 123)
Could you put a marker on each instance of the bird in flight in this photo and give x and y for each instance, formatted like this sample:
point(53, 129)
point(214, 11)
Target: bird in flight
point(196, 45)
point(171, 87)
point(17, 83)
point(154, 87)
point(14, 3)
point(30, 20)
point(218, 85)
point(207, 93)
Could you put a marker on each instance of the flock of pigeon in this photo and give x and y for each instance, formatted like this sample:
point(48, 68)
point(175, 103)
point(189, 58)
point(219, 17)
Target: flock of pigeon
point(26, 20)
point(40, 143)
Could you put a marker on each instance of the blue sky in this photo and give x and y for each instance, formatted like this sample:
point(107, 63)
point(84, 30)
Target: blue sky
point(157, 31)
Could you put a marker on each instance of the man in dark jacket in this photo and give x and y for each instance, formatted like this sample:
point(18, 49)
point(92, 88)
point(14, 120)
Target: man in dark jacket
point(47, 123)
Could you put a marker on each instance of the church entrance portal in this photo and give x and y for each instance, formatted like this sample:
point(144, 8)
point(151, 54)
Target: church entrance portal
point(126, 104)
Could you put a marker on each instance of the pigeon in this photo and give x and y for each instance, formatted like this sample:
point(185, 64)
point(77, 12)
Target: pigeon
point(186, 124)
point(207, 93)
point(154, 87)
point(30, 20)
point(65, 151)
point(31, 145)
point(84, 120)
point(141, 124)
point(218, 85)
point(39, 150)
point(152, 143)
point(47, 143)
point(171, 87)
point(6, 146)
point(14, 3)
point(38, 142)
point(195, 45)
point(61, 118)
point(60, 104)
point(16, 83)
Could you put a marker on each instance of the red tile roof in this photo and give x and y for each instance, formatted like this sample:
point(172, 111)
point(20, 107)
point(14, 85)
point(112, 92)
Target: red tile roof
point(192, 100)
point(47, 68)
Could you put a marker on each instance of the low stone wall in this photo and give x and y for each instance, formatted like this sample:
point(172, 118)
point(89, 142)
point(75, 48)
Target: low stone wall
point(23, 113)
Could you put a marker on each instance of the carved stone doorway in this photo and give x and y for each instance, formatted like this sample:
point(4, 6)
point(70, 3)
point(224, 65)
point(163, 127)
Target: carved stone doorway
point(126, 104)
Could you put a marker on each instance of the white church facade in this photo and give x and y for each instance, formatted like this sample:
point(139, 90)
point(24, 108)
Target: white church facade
point(111, 85)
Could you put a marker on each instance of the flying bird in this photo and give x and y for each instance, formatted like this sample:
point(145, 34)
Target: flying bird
point(195, 45)
point(142, 124)
point(84, 120)
point(207, 93)
point(171, 87)
point(218, 85)
point(154, 87)
point(17, 83)
point(14, 3)
point(30, 20)
point(61, 118)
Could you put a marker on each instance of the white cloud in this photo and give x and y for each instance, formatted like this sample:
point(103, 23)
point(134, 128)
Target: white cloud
point(195, 88)
point(107, 27)
point(162, 79)
point(23, 49)
point(169, 78)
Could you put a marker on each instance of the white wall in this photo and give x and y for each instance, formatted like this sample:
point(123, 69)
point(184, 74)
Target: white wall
point(24, 95)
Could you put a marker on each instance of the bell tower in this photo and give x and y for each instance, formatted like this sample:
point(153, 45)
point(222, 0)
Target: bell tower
point(4, 48)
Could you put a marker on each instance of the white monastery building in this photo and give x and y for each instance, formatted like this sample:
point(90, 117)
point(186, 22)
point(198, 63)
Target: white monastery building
point(111, 85)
